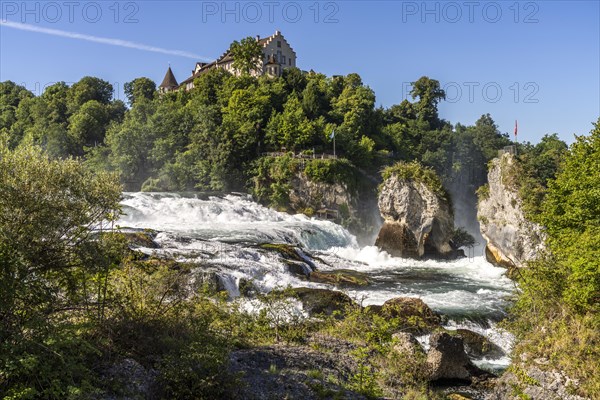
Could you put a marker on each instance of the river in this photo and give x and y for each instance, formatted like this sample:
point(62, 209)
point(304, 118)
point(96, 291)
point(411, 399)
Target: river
point(223, 232)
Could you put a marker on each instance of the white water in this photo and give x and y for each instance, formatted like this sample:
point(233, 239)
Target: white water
point(224, 233)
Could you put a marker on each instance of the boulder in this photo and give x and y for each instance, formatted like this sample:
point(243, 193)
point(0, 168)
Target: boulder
point(447, 359)
point(205, 279)
point(322, 301)
point(340, 277)
point(298, 268)
point(413, 310)
point(406, 343)
point(478, 346)
point(511, 238)
point(145, 238)
point(418, 221)
point(286, 251)
point(130, 379)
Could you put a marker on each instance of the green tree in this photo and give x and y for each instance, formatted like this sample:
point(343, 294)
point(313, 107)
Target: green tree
point(556, 314)
point(247, 55)
point(354, 109)
point(429, 93)
point(86, 89)
point(140, 88)
point(48, 211)
point(571, 215)
point(295, 79)
point(207, 86)
point(11, 96)
point(130, 144)
point(87, 126)
point(314, 97)
point(291, 129)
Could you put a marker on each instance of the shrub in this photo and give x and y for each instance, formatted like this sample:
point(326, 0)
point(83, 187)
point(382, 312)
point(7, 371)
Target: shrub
point(461, 238)
point(415, 171)
point(483, 192)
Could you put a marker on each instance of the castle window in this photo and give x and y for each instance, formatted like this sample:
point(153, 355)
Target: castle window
point(289, 61)
point(279, 43)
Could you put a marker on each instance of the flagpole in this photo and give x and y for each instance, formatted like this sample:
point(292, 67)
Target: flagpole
point(516, 140)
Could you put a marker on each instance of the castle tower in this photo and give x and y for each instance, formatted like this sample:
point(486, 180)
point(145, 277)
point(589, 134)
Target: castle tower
point(272, 67)
point(169, 82)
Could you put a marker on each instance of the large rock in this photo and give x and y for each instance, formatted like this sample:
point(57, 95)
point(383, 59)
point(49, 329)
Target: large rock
point(405, 343)
point(511, 238)
point(447, 359)
point(411, 314)
point(478, 346)
point(130, 380)
point(340, 277)
point(417, 221)
point(293, 372)
point(322, 301)
point(532, 382)
point(411, 308)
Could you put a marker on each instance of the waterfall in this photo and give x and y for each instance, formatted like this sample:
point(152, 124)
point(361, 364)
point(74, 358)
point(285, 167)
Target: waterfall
point(225, 234)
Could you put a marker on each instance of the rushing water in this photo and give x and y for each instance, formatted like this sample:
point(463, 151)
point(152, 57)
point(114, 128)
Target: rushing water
point(223, 232)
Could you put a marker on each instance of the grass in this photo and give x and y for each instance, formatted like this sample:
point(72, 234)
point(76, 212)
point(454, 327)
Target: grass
point(570, 342)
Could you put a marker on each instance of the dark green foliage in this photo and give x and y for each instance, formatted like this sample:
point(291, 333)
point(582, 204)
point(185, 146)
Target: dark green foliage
point(556, 315)
point(139, 88)
point(339, 171)
point(65, 121)
point(462, 238)
point(208, 138)
point(87, 89)
point(429, 93)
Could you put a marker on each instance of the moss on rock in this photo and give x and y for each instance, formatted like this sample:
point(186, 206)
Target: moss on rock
point(340, 277)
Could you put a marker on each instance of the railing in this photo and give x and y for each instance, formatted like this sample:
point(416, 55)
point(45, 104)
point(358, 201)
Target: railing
point(305, 156)
point(327, 214)
point(512, 149)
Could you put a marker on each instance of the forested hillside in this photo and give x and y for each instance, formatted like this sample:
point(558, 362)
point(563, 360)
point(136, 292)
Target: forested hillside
point(211, 138)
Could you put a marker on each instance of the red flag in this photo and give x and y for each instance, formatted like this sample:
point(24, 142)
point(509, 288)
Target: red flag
point(516, 128)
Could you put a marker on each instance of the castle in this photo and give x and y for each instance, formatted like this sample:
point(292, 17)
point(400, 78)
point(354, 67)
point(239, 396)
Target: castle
point(277, 56)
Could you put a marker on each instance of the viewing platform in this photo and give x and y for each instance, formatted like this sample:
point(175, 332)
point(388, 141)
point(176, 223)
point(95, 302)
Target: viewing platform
point(304, 156)
point(512, 149)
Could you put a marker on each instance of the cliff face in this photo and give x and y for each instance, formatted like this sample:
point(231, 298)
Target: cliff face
point(511, 238)
point(417, 222)
point(306, 194)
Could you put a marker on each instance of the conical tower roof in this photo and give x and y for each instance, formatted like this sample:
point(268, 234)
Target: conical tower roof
point(169, 81)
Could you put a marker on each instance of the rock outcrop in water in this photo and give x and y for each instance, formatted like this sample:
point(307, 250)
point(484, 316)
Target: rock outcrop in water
point(511, 238)
point(418, 222)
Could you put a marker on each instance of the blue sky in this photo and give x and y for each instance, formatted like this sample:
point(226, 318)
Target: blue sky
point(535, 61)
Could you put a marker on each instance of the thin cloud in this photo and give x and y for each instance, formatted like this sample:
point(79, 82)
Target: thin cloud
point(97, 39)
